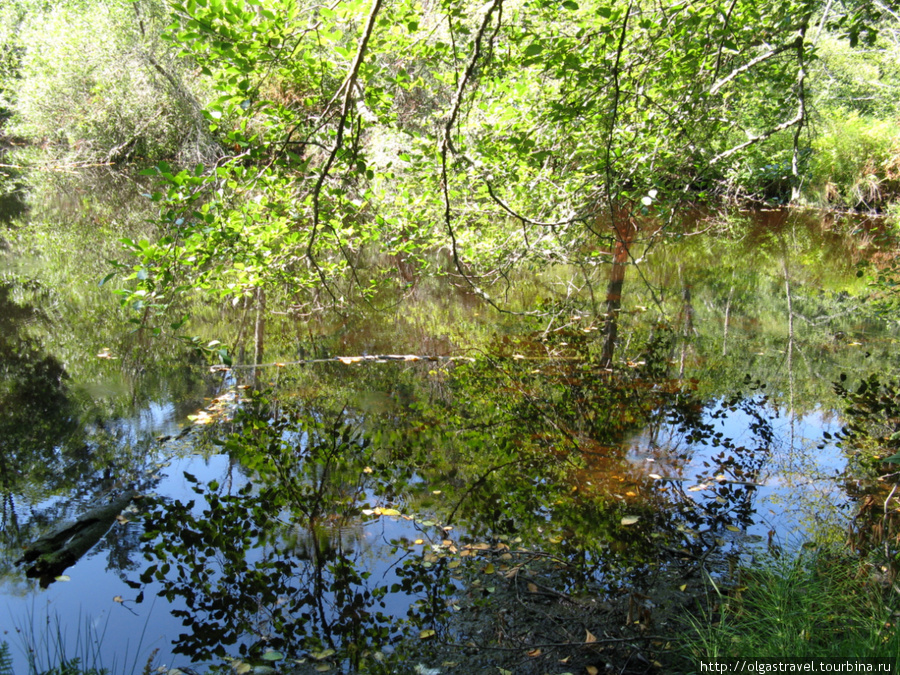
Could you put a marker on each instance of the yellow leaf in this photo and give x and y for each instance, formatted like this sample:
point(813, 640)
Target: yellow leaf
point(682, 588)
point(324, 654)
point(630, 520)
point(419, 541)
point(118, 598)
point(427, 633)
point(590, 637)
point(389, 512)
point(732, 528)
point(532, 588)
point(534, 652)
point(489, 568)
point(592, 670)
point(368, 469)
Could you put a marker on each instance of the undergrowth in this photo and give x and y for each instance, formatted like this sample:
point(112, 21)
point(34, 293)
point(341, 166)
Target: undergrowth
point(821, 604)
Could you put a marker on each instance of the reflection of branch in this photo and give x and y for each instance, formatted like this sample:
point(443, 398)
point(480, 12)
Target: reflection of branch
point(478, 483)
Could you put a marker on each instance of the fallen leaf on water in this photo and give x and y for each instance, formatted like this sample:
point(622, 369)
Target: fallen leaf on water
point(534, 652)
point(532, 587)
point(388, 512)
point(732, 528)
point(324, 654)
point(118, 598)
point(323, 668)
point(698, 488)
point(241, 667)
point(590, 637)
point(63, 577)
point(122, 519)
point(427, 633)
point(489, 568)
point(591, 670)
point(655, 476)
point(630, 520)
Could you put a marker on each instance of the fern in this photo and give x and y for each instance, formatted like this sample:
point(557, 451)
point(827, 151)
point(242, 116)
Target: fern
point(6, 665)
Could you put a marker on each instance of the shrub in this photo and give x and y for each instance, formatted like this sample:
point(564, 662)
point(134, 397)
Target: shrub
point(94, 78)
point(856, 162)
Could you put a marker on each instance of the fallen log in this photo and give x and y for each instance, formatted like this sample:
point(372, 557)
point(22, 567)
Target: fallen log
point(52, 553)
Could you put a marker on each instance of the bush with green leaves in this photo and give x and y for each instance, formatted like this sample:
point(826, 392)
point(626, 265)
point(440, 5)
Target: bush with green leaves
point(855, 161)
point(95, 77)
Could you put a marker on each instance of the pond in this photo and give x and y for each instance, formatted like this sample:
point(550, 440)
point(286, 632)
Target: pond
point(435, 488)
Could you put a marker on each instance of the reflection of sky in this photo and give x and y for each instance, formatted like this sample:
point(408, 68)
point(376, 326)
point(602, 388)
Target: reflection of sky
point(798, 496)
point(129, 632)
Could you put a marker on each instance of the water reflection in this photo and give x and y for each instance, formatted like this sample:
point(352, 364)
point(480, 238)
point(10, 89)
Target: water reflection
point(355, 507)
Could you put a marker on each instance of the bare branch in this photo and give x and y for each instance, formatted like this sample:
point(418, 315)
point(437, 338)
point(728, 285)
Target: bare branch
point(750, 64)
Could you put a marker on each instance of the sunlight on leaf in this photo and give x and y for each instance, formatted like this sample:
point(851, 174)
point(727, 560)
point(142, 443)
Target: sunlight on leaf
point(427, 633)
point(630, 520)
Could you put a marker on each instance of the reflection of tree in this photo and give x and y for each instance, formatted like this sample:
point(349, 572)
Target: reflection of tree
point(36, 414)
point(277, 565)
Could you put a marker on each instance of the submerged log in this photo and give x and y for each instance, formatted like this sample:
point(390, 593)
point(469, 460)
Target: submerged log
point(64, 546)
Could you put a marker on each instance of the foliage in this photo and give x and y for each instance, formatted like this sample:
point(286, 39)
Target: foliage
point(5, 659)
point(388, 132)
point(820, 603)
point(856, 161)
point(93, 77)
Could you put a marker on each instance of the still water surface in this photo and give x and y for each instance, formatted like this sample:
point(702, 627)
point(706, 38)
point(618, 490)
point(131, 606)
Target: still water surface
point(395, 478)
